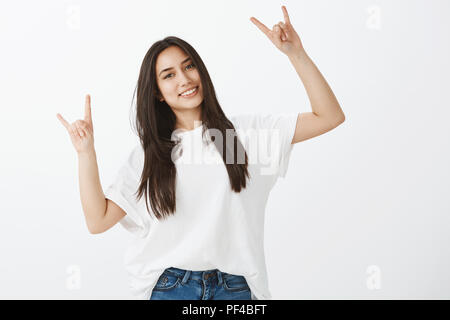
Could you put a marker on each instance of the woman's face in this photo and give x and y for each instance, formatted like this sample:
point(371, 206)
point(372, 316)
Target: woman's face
point(176, 74)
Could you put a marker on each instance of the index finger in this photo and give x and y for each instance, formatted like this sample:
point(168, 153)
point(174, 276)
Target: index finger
point(87, 109)
point(261, 26)
point(285, 14)
point(63, 121)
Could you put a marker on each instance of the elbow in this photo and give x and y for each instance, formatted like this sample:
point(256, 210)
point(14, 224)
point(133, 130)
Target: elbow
point(336, 121)
point(95, 229)
point(340, 119)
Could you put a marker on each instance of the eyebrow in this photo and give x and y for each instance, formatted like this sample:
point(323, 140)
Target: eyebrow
point(185, 60)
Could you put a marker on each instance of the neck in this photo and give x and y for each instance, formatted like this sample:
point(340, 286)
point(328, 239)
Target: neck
point(188, 119)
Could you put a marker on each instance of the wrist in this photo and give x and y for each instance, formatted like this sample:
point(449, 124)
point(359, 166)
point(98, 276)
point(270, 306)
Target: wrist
point(87, 154)
point(299, 55)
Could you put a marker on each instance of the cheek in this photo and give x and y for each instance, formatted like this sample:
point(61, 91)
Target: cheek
point(167, 90)
point(199, 80)
point(197, 75)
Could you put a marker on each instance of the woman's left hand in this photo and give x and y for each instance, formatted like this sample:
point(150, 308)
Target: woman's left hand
point(283, 35)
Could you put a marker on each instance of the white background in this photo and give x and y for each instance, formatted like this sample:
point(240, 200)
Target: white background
point(372, 192)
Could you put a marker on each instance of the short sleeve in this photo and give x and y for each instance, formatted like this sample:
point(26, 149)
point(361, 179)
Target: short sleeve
point(275, 133)
point(123, 192)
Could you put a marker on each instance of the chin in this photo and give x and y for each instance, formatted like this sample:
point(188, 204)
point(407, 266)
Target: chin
point(194, 103)
point(191, 105)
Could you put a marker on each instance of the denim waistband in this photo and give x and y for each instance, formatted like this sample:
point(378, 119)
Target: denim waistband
point(185, 275)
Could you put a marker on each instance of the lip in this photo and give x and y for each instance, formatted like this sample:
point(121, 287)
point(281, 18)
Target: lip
point(193, 94)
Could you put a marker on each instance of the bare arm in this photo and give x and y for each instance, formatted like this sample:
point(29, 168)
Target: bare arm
point(113, 214)
point(91, 193)
point(323, 101)
point(326, 112)
point(99, 213)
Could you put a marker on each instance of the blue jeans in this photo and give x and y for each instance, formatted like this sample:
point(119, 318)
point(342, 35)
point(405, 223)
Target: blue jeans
point(179, 284)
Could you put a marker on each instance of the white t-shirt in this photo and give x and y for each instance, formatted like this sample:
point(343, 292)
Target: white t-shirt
point(213, 226)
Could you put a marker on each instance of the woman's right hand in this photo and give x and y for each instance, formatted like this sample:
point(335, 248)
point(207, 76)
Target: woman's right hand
point(81, 131)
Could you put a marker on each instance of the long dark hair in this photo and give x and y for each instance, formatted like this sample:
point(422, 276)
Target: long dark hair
point(155, 123)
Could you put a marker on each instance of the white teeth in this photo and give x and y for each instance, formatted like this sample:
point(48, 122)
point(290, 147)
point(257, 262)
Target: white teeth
point(189, 92)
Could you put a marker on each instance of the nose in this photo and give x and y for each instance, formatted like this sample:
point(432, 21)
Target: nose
point(184, 80)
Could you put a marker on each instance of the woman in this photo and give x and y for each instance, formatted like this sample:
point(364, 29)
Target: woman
point(200, 233)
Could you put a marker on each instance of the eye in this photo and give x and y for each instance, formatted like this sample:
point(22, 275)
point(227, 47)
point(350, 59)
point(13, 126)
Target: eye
point(190, 65)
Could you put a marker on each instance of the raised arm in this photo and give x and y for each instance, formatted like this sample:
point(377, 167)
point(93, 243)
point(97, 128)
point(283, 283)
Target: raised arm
point(100, 215)
point(326, 112)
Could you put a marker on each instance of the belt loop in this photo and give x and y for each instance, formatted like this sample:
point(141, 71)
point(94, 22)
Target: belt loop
point(219, 277)
point(186, 276)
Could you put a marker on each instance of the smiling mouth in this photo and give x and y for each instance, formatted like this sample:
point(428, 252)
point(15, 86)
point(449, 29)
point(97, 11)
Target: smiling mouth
point(191, 94)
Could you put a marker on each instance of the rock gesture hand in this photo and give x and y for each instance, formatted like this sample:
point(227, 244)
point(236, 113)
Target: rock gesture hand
point(81, 132)
point(282, 35)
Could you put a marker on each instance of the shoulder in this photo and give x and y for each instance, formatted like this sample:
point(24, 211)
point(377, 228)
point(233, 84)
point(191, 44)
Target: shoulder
point(137, 151)
point(134, 162)
point(245, 120)
point(262, 120)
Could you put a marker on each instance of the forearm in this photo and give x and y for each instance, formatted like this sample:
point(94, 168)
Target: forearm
point(322, 99)
point(91, 192)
